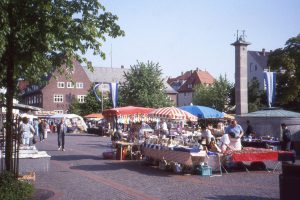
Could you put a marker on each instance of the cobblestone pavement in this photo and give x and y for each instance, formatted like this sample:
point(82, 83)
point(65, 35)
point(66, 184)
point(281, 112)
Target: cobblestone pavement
point(80, 173)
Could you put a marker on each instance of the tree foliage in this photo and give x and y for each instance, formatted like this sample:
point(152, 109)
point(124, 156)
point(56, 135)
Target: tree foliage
point(144, 86)
point(257, 99)
point(217, 95)
point(37, 36)
point(91, 104)
point(286, 62)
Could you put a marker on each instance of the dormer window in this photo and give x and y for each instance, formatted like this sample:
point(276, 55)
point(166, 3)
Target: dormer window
point(70, 85)
point(60, 84)
point(190, 86)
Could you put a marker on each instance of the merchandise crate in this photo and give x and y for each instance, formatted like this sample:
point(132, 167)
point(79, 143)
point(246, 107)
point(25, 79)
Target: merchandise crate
point(205, 170)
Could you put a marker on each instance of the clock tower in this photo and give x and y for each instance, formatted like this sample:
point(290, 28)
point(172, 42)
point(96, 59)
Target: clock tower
point(241, 78)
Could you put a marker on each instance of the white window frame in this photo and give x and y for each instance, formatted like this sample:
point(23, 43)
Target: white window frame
point(60, 84)
point(79, 85)
point(59, 111)
point(57, 97)
point(70, 85)
point(81, 98)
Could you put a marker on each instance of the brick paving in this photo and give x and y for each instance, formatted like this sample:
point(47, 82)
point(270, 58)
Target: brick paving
point(81, 173)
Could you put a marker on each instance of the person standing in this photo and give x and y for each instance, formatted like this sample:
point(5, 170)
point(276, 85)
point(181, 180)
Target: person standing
point(286, 138)
point(249, 129)
point(61, 131)
point(235, 133)
point(41, 130)
point(36, 127)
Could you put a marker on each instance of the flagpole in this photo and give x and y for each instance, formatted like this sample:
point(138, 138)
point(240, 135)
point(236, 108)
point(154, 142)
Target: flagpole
point(101, 97)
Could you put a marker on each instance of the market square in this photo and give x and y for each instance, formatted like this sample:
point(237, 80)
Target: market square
point(149, 100)
point(81, 172)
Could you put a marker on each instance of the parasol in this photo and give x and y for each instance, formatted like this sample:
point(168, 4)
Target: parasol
point(173, 113)
point(203, 111)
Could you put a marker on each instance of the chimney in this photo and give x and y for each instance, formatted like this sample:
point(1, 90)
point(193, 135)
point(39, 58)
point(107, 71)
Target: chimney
point(263, 51)
point(122, 66)
point(197, 69)
point(181, 73)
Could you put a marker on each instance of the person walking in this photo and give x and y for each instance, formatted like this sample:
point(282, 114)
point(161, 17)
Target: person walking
point(27, 132)
point(61, 131)
point(286, 138)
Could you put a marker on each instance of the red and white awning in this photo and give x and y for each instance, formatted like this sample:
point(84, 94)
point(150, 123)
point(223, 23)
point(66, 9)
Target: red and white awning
point(173, 113)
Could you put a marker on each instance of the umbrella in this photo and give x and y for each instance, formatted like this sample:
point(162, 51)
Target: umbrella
point(94, 116)
point(203, 111)
point(128, 110)
point(173, 113)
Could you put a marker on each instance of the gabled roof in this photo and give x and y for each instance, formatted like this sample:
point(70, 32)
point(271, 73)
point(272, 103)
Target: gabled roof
point(106, 74)
point(184, 76)
point(261, 57)
point(198, 77)
point(169, 89)
point(177, 82)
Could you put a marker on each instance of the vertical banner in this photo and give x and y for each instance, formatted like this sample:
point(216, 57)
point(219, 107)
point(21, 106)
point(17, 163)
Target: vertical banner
point(95, 91)
point(114, 93)
point(270, 79)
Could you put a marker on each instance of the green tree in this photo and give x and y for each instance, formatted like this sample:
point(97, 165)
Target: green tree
point(216, 95)
point(75, 107)
point(286, 62)
point(37, 36)
point(144, 86)
point(256, 98)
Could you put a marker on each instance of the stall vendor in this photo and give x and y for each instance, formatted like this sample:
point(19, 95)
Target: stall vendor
point(232, 137)
point(229, 142)
point(235, 128)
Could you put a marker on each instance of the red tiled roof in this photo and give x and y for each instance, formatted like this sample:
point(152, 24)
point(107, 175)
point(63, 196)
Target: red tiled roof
point(184, 76)
point(198, 77)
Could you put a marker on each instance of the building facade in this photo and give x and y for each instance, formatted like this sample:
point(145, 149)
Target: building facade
point(185, 84)
point(257, 64)
point(59, 91)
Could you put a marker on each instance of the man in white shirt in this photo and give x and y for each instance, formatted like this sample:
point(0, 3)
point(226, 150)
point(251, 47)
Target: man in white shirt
point(206, 134)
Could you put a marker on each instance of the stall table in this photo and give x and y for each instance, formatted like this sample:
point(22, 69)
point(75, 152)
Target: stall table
point(120, 147)
point(261, 143)
point(181, 157)
point(249, 154)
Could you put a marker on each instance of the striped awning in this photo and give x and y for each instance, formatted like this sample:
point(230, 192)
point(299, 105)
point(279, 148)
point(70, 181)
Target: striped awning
point(173, 113)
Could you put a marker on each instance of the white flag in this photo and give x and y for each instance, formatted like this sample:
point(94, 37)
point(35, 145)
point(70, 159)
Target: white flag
point(270, 78)
point(114, 93)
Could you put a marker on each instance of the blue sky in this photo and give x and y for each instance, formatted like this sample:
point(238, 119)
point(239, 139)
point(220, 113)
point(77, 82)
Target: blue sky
point(185, 34)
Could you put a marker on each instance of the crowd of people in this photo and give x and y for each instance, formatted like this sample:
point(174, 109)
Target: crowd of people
point(30, 132)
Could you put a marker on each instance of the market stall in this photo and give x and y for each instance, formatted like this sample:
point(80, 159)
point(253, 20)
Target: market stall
point(94, 116)
point(73, 121)
point(128, 114)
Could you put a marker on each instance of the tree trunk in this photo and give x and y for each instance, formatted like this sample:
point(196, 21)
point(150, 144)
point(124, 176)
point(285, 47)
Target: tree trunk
point(9, 115)
point(9, 97)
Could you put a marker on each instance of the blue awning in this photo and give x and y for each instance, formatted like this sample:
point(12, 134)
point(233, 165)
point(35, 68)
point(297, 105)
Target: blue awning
point(203, 111)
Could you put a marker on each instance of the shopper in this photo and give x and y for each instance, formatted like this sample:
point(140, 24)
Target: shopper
point(61, 131)
point(286, 138)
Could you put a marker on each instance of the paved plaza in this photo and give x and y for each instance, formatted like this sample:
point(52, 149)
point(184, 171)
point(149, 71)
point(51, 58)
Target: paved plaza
point(80, 173)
